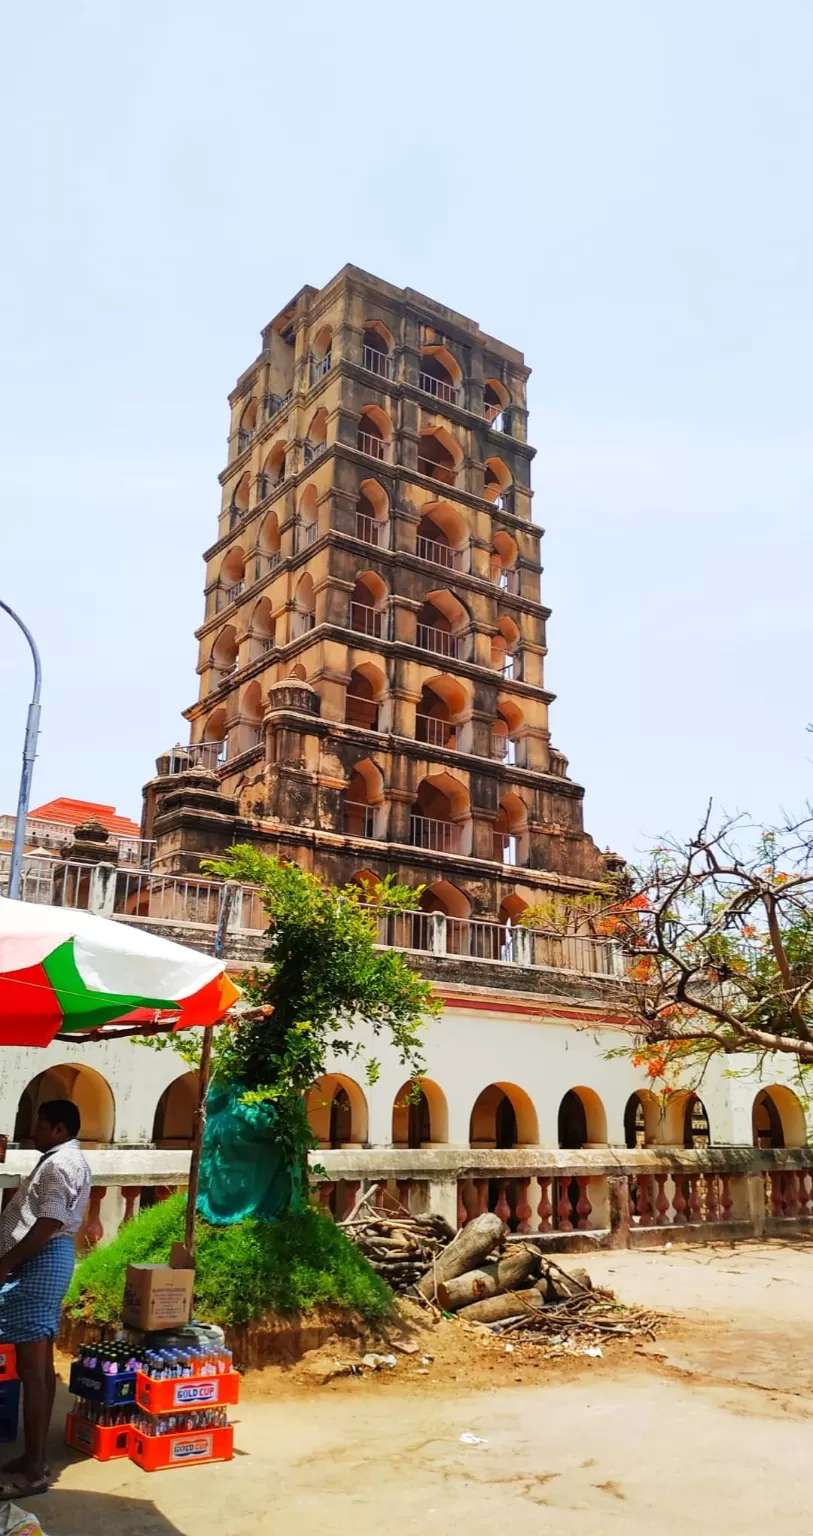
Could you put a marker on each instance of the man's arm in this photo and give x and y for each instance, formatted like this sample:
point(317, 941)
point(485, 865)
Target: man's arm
point(44, 1228)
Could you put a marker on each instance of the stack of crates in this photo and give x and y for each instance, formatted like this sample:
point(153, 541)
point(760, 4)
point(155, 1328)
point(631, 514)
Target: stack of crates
point(9, 1395)
point(103, 1381)
point(181, 1417)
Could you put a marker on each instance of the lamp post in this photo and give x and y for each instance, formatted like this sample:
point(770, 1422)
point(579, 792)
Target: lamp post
point(32, 728)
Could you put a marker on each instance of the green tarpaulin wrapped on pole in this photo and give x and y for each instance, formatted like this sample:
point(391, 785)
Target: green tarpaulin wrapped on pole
point(244, 1170)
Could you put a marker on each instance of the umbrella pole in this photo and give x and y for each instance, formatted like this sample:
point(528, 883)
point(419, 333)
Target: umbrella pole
point(226, 903)
point(197, 1141)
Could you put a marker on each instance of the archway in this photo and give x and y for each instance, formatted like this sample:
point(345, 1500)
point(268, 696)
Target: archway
point(440, 373)
point(582, 1119)
point(420, 1115)
point(496, 480)
point(84, 1087)
point(495, 400)
point(337, 1111)
point(778, 1118)
point(503, 1116)
point(696, 1127)
point(374, 431)
point(439, 811)
point(366, 686)
point(372, 512)
point(304, 615)
point(174, 1120)
point(641, 1119)
point(439, 456)
point(510, 832)
point(367, 603)
point(376, 346)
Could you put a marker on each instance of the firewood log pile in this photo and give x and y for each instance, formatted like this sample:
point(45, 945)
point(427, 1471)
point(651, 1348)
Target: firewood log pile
point(399, 1247)
point(482, 1276)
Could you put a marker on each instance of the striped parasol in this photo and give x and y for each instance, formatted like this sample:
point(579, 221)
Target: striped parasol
point(64, 973)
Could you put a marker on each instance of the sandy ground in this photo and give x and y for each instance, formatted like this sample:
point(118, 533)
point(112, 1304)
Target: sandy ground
point(709, 1427)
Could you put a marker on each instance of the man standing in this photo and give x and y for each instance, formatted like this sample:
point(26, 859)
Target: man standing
point(37, 1232)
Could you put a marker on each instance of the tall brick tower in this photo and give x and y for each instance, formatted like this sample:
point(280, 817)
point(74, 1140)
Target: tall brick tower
point(372, 695)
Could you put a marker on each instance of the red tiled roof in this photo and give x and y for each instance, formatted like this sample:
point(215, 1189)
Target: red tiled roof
point(72, 812)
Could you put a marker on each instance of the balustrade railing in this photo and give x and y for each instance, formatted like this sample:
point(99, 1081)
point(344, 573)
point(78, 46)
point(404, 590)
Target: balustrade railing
point(366, 620)
point(313, 451)
point(368, 443)
point(449, 393)
point(435, 732)
point(427, 832)
point(438, 640)
point(433, 550)
point(319, 367)
point(359, 819)
point(368, 529)
point(377, 362)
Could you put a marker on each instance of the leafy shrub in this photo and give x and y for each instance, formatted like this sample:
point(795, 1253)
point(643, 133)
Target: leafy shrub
point(291, 1265)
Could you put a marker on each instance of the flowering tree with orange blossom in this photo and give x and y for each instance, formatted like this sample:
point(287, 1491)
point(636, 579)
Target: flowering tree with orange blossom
point(719, 936)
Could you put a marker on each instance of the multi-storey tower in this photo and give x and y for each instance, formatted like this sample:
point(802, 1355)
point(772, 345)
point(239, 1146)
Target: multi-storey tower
point(371, 659)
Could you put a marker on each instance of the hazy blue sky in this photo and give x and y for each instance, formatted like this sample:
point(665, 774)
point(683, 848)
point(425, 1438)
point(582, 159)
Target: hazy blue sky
point(620, 189)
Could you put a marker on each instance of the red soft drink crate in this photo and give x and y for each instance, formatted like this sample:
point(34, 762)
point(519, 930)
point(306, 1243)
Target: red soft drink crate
point(161, 1453)
point(190, 1392)
point(8, 1362)
point(103, 1442)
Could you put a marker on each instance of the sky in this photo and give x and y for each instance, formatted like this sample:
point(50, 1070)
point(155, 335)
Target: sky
point(620, 190)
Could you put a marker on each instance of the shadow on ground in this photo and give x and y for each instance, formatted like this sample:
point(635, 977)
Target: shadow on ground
point(71, 1513)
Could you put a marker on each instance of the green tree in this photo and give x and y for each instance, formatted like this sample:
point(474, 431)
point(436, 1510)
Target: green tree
point(320, 979)
point(719, 931)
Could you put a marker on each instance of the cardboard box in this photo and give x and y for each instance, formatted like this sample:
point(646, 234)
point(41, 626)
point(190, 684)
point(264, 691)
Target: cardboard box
point(157, 1296)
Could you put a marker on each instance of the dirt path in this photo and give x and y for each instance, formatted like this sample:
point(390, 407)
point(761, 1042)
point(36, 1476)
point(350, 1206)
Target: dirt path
point(629, 1443)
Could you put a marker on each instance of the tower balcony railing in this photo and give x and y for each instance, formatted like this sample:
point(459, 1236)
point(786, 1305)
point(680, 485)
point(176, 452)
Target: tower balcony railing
point(273, 404)
point(381, 363)
point(367, 442)
point(505, 849)
point(508, 580)
point(264, 565)
point(449, 393)
point(503, 749)
point(302, 624)
point(319, 367)
point(438, 640)
point(427, 832)
point(313, 451)
point(505, 501)
point(433, 550)
point(244, 439)
point(306, 534)
point(366, 620)
point(231, 594)
point(369, 529)
point(361, 712)
point(267, 643)
point(435, 732)
point(499, 419)
point(445, 473)
point(359, 819)
point(236, 515)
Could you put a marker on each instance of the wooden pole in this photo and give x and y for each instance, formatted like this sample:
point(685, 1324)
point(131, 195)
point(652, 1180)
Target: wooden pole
point(227, 898)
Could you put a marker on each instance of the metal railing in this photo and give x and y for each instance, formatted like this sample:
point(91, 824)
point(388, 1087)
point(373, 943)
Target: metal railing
point(232, 593)
point(199, 754)
point(446, 473)
point(244, 439)
point(307, 533)
point(427, 832)
point(437, 640)
point(265, 564)
point(432, 549)
point(267, 643)
point(368, 529)
point(439, 388)
point(508, 580)
point(366, 620)
point(181, 900)
point(302, 624)
point(320, 366)
point(236, 515)
point(359, 819)
point(275, 403)
point(437, 733)
point(504, 848)
point(356, 705)
point(314, 451)
point(367, 442)
point(377, 362)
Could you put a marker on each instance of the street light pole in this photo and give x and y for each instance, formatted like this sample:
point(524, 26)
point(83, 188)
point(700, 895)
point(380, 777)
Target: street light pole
point(32, 728)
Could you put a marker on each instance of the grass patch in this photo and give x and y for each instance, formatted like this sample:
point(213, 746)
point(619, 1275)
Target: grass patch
point(291, 1265)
